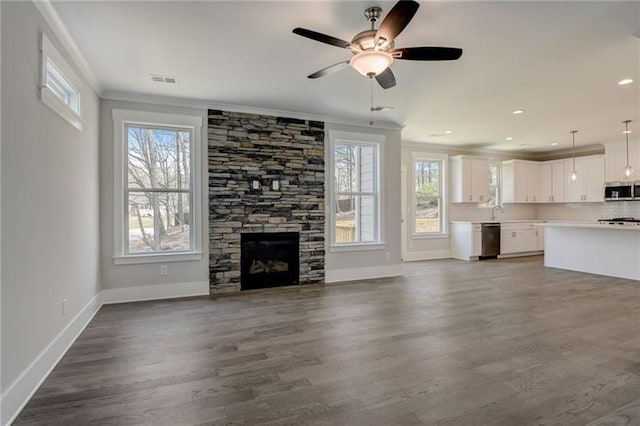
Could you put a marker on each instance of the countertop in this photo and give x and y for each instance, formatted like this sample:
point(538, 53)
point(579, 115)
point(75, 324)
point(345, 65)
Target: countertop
point(499, 221)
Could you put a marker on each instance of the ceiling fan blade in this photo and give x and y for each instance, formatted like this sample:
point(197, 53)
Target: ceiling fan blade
point(322, 38)
point(428, 53)
point(386, 79)
point(396, 20)
point(329, 69)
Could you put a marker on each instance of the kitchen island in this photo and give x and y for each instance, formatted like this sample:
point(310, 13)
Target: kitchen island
point(612, 250)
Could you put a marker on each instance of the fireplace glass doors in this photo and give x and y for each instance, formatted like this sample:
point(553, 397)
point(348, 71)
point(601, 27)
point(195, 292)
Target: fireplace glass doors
point(269, 259)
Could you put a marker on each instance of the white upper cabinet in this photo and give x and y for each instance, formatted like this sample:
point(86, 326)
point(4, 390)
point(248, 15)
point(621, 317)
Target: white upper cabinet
point(469, 179)
point(520, 181)
point(552, 182)
point(589, 185)
point(616, 160)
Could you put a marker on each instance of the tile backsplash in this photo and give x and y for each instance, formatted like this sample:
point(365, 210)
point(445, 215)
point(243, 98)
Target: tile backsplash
point(559, 211)
point(588, 211)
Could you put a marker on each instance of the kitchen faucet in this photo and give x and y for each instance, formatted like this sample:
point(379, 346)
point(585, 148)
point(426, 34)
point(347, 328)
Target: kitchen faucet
point(493, 211)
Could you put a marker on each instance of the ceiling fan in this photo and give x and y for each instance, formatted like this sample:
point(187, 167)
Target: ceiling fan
point(374, 51)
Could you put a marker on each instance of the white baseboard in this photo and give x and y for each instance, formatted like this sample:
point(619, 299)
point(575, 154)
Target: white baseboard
point(412, 256)
point(23, 388)
point(353, 274)
point(154, 292)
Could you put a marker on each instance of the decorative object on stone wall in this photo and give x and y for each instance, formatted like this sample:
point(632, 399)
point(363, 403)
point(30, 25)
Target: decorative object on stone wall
point(244, 147)
point(374, 50)
point(275, 185)
point(256, 185)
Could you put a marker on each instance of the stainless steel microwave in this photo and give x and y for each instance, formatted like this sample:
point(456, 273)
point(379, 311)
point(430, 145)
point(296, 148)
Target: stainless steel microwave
point(636, 190)
point(618, 191)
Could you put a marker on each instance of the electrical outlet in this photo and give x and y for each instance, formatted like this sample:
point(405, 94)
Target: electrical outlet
point(64, 307)
point(387, 255)
point(164, 269)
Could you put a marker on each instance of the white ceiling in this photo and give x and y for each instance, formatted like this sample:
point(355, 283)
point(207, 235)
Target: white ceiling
point(560, 61)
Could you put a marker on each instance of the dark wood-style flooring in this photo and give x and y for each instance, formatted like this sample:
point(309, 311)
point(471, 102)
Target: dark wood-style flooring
point(505, 342)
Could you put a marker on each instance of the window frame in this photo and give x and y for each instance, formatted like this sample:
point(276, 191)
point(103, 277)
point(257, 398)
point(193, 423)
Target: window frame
point(56, 71)
point(444, 198)
point(498, 202)
point(361, 139)
point(123, 119)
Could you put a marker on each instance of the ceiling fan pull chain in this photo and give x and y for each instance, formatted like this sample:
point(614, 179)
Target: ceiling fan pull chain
point(371, 103)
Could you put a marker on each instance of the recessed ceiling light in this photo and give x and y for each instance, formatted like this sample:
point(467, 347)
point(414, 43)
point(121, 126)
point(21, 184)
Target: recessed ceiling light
point(625, 82)
point(518, 111)
point(448, 132)
point(554, 144)
point(508, 138)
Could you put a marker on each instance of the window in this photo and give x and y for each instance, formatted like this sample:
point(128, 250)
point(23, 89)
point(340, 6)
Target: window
point(356, 199)
point(157, 208)
point(428, 207)
point(494, 186)
point(59, 85)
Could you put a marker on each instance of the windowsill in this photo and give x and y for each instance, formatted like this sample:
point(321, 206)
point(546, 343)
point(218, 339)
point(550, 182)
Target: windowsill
point(439, 236)
point(52, 101)
point(134, 259)
point(357, 247)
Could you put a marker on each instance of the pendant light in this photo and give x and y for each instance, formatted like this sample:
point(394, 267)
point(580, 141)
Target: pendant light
point(574, 173)
point(628, 170)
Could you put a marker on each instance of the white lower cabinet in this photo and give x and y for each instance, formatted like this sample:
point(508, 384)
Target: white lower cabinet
point(521, 237)
point(515, 238)
point(512, 241)
point(477, 242)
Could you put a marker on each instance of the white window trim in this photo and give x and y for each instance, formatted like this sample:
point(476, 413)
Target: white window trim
point(48, 97)
point(366, 139)
point(121, 118)
point(499, 178)
point(444, 222)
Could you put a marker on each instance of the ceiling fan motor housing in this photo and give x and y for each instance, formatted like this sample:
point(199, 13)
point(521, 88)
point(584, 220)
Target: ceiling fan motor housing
point(366, 40)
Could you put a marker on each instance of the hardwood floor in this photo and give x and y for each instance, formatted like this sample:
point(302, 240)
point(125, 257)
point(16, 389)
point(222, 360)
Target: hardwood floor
point(504, 342)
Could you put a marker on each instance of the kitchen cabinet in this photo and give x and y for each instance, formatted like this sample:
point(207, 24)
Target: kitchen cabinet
point(616, 160)
point(512, 238)
point(520, 181)
point(521, 237)
point(469, 179)
point(466, 240)
point(552, 178)
point(589, 185)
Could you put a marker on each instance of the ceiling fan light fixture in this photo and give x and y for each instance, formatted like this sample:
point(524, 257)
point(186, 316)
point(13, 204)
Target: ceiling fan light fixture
point(371, 62)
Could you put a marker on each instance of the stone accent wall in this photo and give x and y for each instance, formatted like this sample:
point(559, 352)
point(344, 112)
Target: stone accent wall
point(243, 147)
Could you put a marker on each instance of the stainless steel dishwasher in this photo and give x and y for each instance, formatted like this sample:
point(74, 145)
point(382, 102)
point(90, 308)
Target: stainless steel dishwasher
point(490, 240)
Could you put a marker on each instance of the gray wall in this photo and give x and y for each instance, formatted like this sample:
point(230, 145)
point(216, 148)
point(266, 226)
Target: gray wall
point(50, 239)
point(390, 206)
point(118, 276)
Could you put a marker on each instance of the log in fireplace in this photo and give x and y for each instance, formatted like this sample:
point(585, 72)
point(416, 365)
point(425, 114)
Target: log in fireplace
point(269, 259)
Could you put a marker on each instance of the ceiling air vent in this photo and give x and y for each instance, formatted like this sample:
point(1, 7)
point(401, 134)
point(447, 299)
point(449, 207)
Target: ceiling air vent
point(164, 79)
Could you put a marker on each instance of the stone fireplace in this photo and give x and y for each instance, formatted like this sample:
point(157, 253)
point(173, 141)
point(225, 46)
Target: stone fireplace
point(266, 175)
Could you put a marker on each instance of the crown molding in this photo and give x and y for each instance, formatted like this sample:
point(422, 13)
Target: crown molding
point(206, 104)
point(48, 12)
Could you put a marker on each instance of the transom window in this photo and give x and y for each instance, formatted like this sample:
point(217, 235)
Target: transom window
point(59, 85)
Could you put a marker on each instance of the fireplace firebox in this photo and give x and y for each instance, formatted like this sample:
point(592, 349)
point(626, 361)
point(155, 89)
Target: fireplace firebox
point(269, 259)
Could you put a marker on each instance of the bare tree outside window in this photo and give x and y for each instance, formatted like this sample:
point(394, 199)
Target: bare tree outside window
point(158, 189)
point(428, 190)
